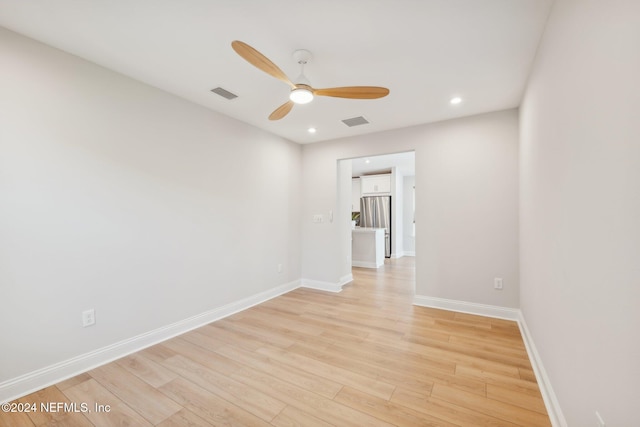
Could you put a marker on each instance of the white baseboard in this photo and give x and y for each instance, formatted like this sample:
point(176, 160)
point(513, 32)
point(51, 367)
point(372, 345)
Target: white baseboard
point(409, 253)
point(347, 278)
point(549, 397)
point(550, 400)
point(467, 307)
point(397, 255)
point(365, 264)
point(44, 377)
point(322, 286)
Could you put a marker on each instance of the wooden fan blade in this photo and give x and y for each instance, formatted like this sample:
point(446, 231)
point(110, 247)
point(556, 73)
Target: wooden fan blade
point(281, 111)
point(259, 61)
point(354, 92)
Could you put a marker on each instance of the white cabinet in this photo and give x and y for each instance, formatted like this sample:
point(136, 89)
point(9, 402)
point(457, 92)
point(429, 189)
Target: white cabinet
point(367, 247)
point(355, 195)
point(375, 184)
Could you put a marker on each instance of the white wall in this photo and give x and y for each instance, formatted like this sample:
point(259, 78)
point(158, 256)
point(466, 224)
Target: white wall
point(466, 182)
point(397, 205)
point(117, 196)
point(342, 216)
point(409, 240)
point(580, 209)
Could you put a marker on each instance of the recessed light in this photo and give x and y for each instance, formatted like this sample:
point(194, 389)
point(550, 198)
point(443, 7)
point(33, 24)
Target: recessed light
point(311, 130)
point(367, 161)
point(455, 100)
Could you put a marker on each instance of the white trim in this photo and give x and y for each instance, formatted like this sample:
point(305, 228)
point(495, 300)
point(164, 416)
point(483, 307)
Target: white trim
point(365, 264)
point(322, 286)
point(347, 278)
point(467, 307)
point(49, 375)
point(549, 397)
point(397, 255)
point(550, 400)
point(409, 253)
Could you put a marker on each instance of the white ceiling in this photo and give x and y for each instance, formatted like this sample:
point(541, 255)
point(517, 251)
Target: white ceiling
point(424, 51)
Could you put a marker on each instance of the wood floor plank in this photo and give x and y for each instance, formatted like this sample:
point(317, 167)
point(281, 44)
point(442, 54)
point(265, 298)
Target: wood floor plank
point(208, 406)
point(459, 355)
point(73, 381)
point(388, 355)
point(201, 355)
point(15, 419)
point(460, 415)
point(388, 411)
point(147, 370)
point(490, 378)
point(204, 337)
point(119, 413)
point(53, 414)
point(157, 353)
point(410, 398)
point(419, 380)
point(224, 336)
point(147, 401)
point(527, 374)
point(258, 332)
point(330, 411)
point(335, 373)
point(294, 417)
point(184, 418)
point(259, 404)
point(494, 408)
point(292, 374)
point(513, 397)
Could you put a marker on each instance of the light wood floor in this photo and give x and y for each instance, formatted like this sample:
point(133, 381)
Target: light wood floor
point(364, 357)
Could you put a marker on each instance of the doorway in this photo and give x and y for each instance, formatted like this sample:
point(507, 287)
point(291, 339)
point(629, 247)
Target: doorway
point(389, 176)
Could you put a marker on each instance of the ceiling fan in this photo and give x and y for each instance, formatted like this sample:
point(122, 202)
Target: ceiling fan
point(301, 91)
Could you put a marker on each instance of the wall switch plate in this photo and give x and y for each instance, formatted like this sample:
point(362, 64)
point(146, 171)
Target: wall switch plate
point(497, 283)
point(279, 268)
point(318, 218)
point(88, 318)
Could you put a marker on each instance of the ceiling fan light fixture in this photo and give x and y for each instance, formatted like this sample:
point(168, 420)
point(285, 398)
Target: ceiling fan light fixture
point(301, 95)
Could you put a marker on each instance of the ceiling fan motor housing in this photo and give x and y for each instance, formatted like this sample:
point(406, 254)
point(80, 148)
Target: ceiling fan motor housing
point(302, 56)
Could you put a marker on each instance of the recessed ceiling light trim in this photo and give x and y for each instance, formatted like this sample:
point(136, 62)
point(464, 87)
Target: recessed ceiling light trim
point(455, 100)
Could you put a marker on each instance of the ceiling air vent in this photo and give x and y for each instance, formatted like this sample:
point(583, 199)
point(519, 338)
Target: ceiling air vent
point(355, 121)
point(224, 93)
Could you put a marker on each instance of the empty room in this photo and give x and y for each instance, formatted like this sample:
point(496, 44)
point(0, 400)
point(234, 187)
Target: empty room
point(320, 213)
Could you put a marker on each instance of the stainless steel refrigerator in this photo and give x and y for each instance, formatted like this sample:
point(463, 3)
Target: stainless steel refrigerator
point(375, 211)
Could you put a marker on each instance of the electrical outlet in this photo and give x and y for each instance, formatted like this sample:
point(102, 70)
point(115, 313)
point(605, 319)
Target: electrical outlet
point(88, 318)
point(600, 420)
point(497, 283)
